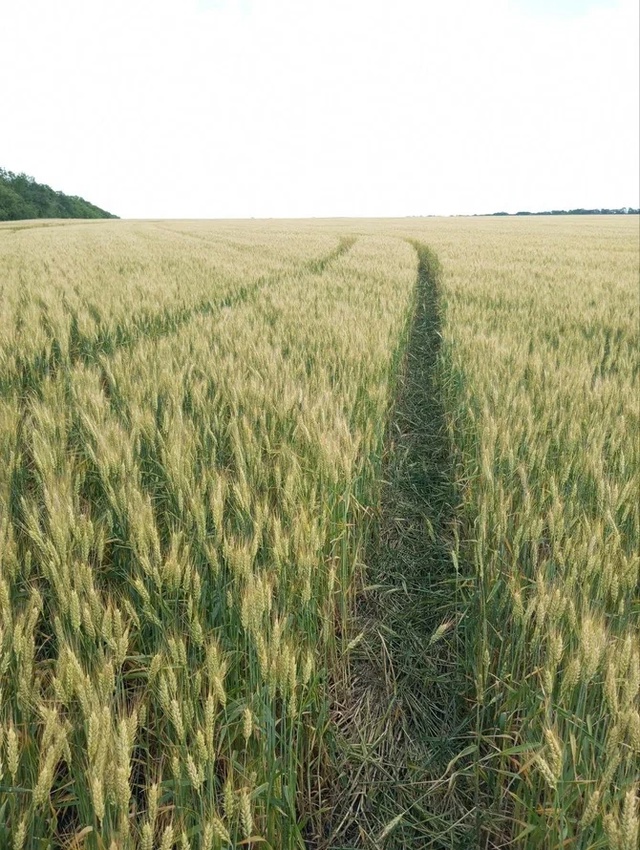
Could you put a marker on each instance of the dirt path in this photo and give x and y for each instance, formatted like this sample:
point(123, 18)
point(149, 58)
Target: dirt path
point(403, 718)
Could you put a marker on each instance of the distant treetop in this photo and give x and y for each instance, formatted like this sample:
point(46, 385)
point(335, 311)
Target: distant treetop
point(22, 198)
point(620, 211)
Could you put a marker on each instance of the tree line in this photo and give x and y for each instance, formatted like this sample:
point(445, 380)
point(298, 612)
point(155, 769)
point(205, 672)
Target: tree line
point(580, 211)
point(21, 197)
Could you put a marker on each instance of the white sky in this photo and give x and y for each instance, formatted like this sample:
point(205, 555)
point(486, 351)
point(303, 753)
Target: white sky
point(225, 108)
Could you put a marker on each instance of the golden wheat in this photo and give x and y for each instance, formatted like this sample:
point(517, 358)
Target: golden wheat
point(185, 399)
point(192, 420)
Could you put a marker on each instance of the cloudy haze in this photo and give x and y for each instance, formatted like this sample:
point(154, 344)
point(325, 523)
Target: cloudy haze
point(216, 108)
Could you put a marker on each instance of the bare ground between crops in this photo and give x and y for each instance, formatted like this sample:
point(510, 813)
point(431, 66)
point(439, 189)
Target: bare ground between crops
point(401, 710)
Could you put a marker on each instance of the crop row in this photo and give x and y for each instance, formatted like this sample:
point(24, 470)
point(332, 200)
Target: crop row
point(181, 525)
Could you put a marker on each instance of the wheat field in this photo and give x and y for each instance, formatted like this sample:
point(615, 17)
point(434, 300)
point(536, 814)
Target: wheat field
point(540, 375)
point(194, 421)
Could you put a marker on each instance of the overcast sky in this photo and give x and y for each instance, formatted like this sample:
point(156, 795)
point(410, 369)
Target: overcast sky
point(239, 108)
